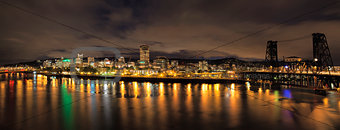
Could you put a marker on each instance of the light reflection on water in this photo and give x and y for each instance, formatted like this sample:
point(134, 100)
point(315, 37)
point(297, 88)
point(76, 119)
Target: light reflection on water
point(40, 102)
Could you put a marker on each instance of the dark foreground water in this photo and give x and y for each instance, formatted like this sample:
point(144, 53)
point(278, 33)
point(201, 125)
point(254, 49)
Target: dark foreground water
point(39, 103)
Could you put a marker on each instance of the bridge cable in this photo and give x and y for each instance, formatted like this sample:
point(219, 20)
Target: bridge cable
point(65, 25)
point(268, 28)
point(295, 39)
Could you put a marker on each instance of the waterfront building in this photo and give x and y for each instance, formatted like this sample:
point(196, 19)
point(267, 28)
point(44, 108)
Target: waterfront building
point(121, 59)
point(58, 63)
point(292, 59)
point(144, 57)
point(93, 64)
point(131, 64)
point(66, 62)
point(90, 61)
point(203, 65)
point(53, 65)
point(174, 63)
point(47, 63)
point(160, 63)
point(100, 64)
point(107, 62)
point(79, 60)
point(120, 63)
point(144, 53)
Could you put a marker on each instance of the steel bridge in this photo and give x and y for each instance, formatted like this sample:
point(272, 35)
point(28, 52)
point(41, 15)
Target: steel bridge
point(322, 59)
point(317, 73)
point(314, 80)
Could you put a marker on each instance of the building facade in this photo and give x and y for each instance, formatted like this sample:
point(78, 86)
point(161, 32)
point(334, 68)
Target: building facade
point(144, 57)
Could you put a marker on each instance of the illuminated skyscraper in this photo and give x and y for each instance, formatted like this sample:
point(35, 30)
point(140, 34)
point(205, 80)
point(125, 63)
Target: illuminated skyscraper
point(79, 60)
point(144, 56)
point(144, 53)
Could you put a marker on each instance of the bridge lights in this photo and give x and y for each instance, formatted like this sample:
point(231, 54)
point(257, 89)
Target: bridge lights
point(329, 68)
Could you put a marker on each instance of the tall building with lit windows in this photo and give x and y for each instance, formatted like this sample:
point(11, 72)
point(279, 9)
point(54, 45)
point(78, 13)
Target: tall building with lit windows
point(79, 60)
point(161, 63)
point(144, 53)
point(120, 63)
point(144, 58)
point(203, 65)
point(90, 61)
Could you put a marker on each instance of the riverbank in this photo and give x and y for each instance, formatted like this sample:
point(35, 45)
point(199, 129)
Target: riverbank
point(150, 78)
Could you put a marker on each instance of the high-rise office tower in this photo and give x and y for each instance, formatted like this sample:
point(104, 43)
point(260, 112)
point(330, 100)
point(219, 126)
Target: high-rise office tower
point(79, 60)
point(144, 53)
point(144, 56)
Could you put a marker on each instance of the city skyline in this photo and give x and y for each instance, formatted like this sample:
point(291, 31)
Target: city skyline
point(169, 64)
point(189, 30)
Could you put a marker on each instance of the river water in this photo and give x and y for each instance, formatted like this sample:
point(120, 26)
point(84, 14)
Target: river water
point(29, 101)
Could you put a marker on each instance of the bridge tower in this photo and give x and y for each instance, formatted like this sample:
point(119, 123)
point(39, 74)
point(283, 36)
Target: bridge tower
point(271, 54)
point(321, 54)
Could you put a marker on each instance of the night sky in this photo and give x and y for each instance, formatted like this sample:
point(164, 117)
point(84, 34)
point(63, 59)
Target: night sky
point(173, 28)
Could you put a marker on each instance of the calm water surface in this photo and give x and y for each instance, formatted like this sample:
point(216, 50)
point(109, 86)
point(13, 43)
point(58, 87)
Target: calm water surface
point(30, 101)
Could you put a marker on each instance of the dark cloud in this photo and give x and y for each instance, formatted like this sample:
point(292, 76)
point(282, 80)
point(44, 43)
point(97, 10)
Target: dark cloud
point(85, 37)
point(186, 54)
point(152, 43)
point(59, 50)
point(173, 28)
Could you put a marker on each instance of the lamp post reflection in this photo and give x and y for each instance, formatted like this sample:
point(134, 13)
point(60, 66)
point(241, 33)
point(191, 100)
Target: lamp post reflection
point(67, 110)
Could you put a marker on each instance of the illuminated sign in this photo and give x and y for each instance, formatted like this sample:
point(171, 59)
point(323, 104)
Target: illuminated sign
point(66, 60)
